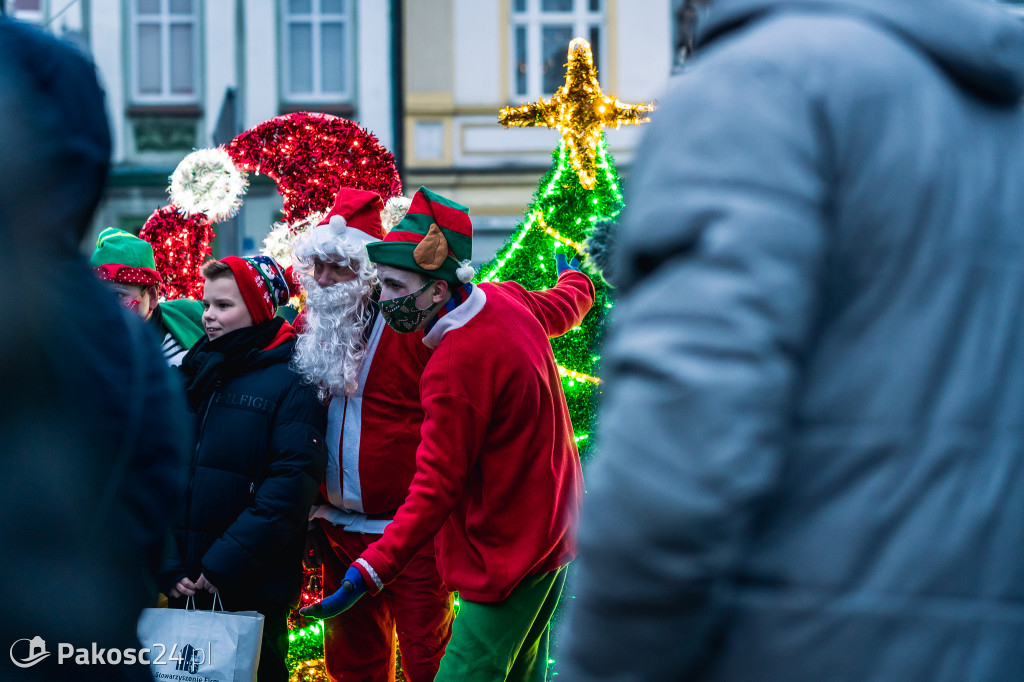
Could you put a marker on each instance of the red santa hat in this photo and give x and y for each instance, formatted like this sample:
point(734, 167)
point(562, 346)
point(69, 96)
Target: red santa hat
point(354, 220)
point(356, 215)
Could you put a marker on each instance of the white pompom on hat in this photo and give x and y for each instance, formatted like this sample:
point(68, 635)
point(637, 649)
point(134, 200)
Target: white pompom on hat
point(465, 272)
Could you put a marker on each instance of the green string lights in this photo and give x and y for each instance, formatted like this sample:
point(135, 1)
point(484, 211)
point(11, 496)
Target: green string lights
point(305, 645)
point(563, 212)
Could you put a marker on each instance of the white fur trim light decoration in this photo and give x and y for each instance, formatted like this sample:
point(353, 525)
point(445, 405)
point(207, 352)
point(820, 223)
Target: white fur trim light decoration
point(278, 244)
point(208, 182)
point(394, 210)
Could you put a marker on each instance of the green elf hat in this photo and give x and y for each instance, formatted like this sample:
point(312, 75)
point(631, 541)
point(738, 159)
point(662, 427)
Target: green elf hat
point(435, 238)
point(122, 257)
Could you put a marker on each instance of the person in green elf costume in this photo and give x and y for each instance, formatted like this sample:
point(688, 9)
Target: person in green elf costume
point(126, 263)
point(498, 479)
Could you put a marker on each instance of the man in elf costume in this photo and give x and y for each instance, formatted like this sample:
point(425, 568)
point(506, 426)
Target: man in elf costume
point(369, 374)
point(498, 476)
point(126, 263)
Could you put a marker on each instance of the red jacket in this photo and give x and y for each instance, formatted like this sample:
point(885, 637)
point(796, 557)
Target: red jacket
point(498, 477)
point(372, 435)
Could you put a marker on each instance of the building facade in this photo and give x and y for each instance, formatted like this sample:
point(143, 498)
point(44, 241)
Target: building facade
point(466, 59)
point(188, 74)
point(427, 77)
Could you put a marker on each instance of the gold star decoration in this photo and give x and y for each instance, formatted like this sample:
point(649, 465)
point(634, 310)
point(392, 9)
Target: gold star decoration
point(579, 111)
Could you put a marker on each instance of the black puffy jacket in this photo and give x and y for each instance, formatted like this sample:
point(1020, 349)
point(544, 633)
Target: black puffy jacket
point(93, 429)
point(258, 461)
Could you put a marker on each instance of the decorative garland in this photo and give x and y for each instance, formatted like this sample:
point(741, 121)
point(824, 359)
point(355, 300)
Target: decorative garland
point(310, 156)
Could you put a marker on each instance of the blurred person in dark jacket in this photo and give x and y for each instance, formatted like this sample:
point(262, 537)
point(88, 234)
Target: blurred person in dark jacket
point(812, 436)
point(93, 430)
point(258, 460)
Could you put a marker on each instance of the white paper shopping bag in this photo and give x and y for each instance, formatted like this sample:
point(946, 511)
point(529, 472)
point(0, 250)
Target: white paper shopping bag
point(190, 645)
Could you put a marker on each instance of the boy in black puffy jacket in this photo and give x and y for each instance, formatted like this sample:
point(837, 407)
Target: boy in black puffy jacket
point(258, 460)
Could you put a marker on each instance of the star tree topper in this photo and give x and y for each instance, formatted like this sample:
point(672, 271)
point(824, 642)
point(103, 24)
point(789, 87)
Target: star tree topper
point(579, 110)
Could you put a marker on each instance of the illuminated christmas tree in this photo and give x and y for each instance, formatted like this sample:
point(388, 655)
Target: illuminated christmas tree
point(580, 190)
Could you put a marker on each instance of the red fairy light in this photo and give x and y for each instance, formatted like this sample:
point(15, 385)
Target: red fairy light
point(309, 156)
point(309, 167)
point(181, 246)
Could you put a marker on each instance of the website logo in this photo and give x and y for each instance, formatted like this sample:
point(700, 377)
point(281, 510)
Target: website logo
point(36, 651)
point(25, 653)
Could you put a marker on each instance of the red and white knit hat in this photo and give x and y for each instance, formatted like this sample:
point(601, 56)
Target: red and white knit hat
point(263, 283)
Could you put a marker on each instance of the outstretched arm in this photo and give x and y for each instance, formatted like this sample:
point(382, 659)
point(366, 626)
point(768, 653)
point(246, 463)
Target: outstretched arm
point(452, 436)
point(561, 307)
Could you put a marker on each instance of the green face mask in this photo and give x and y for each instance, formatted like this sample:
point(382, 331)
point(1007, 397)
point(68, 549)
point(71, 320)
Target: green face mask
point(401, 313)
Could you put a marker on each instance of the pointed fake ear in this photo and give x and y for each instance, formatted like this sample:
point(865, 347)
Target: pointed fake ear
point(430, 253)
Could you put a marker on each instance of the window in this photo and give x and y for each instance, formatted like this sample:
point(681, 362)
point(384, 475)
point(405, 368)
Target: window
point(541, 32)
point(317, 51)
point(165, 51)
point(26, 10)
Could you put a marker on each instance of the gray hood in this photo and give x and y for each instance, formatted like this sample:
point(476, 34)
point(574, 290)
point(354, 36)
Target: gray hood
point(978, 43)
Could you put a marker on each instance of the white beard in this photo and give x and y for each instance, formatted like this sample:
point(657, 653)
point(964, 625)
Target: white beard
point(330, 350)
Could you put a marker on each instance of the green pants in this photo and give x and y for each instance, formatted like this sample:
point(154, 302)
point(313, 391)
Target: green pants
point(507, 640)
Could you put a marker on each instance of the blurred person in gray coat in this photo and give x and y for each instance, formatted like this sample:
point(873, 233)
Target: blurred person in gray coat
point(811, 454)
point(91, 426)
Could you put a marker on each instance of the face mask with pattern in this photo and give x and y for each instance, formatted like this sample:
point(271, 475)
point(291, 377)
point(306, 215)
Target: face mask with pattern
point(401, 313)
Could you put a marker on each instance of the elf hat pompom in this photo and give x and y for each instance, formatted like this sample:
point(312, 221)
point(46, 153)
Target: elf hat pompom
point(435, 238)
point(124, 258)
point(465, 272)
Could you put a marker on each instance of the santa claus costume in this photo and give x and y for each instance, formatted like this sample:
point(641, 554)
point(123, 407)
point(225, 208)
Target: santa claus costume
point(370, 375)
